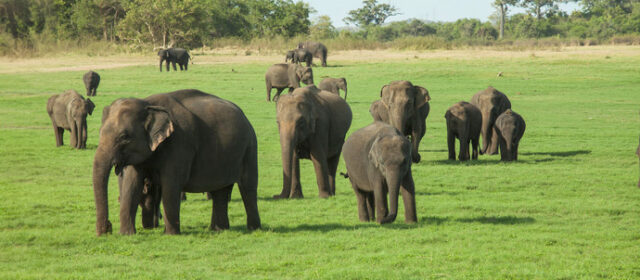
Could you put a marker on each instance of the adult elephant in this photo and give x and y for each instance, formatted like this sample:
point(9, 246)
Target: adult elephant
point(509, 127)
point(405, 106)
point(68, 111)
point(286, 76)
point(334, 85)
point(317, 49)
point(312, 124)
point(173, 56)
point(491, 103)
point(463, 122)
point(184, 140)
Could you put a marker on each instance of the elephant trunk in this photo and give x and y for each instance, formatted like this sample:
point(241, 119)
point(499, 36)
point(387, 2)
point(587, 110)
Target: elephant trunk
point(397, 120)
point(82, 133)
point(101, 168)
point(287, 145)
point(345, 91)
point(161, 60)
point(393, 182)
point(486, 132)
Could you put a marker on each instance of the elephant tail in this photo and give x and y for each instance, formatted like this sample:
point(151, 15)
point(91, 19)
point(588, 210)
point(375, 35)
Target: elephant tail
point(345, 175)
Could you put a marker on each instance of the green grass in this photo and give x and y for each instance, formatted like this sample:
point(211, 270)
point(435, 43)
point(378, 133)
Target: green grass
point(569, 209)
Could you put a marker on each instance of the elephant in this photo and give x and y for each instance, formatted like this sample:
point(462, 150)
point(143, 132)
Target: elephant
point(91, 81)
point(378, 160)
point(174, 55)
point(464, 122)
point(317, 49)
point(149, 200)
point(405, 106)
point(68, 111)
point(289, 56)
point(491, 103)
point(509, 127)
point(184, 141)
point(303, 55)
point(334, 85)
point(282, 76)
point(312, 124)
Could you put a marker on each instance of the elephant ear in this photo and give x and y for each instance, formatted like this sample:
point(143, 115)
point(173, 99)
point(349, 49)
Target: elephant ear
point(375, 155)
point(90, 106)
point(309, 114)
point(386, 95)
point(421, 97)
point(158, 125)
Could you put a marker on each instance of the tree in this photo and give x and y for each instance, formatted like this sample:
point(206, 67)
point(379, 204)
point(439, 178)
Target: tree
point(540, 8)
point(371, 13)
point(503, 6)
point(322, 28)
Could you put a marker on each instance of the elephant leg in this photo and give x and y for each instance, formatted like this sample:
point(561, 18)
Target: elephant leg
point(464, 148)
point(474, 148)
point(219, 214)
point(183, 196)
point(167, 65)
point(83, 136)
point(333, 168)
point(171, 199)
point(503, 149)
point(58, 131)
point(296, 187)
point(95, 91)
point(248, 186)
point(370, 204)
point(380, 199)
point(409, 199)
point(73, 136)
point(275, 97)
point(181, 67)
point(186, 65)
point(150, 205)
point(515, 151)
point(451, 142)
point(173, 63)
point(130, 196)
point(363, 213)
point(321, 167)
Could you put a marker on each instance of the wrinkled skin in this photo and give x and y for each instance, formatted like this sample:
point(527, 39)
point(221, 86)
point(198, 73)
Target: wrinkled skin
point(68, 111)
point(317, 49)
point(91, 81)
point(312, 125)
point(286, 76)
point(378, 160)
point(509, 127)
point(463, 122)
point(289, 56)
point(334, 85)
point(491, 103)
point(173, 56)
point(183, 141)
point(406, 108)
point(303, 55)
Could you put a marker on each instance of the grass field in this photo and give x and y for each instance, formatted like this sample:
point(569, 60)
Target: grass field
point(569, 209)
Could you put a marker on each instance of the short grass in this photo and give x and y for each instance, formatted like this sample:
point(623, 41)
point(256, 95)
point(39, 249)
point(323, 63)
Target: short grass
point(569, 209)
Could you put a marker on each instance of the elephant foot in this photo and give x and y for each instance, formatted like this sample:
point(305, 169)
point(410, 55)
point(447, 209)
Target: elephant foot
point(324, 194)
point(280, 196)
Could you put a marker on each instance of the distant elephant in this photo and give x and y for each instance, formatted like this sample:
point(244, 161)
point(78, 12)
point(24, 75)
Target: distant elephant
point(509, 127)
point(463, 122)
point(312, 125)
point(378, 160)
point(405, 107)
point(289, 56)
point(491, 103)
point(286, 76)
point(303, 55)
point(91, 81)
point(68, 111)
point(317, 49)
point(174, 55)
point(334, 85)
point(184, 141)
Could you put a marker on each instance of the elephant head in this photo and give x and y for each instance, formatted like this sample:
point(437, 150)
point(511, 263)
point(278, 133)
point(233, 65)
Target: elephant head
point(164, 55)
point(342, 84)
point(131, 131)
point(305, 74)
point(77, 112)
point(402, 100)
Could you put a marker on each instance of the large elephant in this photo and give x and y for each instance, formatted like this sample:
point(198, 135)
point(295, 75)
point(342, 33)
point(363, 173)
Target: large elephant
point(68, 111)
point(185, 140)
point(463, 122)
point(509, 127)
point(378, 160)
point(317, 49)
point(91, 81)
point(406, 107)
point(303, 55)
point(334, 85)
point(286, 76)
point(174, 55)
point(491, 103)
point(312, 125)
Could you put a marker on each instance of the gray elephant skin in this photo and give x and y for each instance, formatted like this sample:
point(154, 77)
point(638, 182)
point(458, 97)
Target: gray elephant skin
point(509, 128)
point(68, 111)
point(184, 141)
point(286, 76)
point(91, 81)
point(378, 160)
point(173, 56)
point(334, 85)
point(463, 122)
point(491, 103)
point(317, 49)
point(289, 56)
point(405, 106)
point(312, 125)
point(303, 55)
point(149, 201)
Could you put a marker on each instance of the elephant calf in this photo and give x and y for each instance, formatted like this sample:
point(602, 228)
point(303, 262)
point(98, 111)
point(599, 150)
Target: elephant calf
point(509, 127)
point(303, 55)
point(91, 81)
point(334, 85)
point(463, 122)
point(378, 160)
point(282, 76)
point(289, 56)
point(68, 111)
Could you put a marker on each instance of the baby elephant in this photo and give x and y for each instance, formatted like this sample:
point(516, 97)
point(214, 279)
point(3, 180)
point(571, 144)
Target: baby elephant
point(282, 76)
point(464, 121)
point(289, 56)
point(378, 160)
point(69, 111)
point(510, 128)
point(303, 55)
point(334, 85)
point(91, 81)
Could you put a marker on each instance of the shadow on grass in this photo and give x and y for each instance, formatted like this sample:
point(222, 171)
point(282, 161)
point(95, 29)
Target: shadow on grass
point(504, 220)
point(558, 154)
point(468, 162)
point(437, 193)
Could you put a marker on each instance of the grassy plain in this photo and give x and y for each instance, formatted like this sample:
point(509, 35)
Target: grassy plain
point(569, 209)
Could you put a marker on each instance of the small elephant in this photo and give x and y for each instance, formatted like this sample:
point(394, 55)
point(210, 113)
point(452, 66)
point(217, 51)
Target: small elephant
point(289, 56)
point(312, 124)
point(378, 160)
point(91, 81)
point(303, 55)
point(491, 103)
point(404, 106)
point(282, 76)
point(318, 50)
point(174, 55)
point(509, 127)
point(463, 122)
point(68, 111)
point(149, 197)
point(334, 85)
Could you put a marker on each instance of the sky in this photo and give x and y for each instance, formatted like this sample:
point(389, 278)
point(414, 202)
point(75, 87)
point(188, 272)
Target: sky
point(432, 10)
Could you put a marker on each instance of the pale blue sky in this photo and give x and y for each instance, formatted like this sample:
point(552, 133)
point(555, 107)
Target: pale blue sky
point(434, 10)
